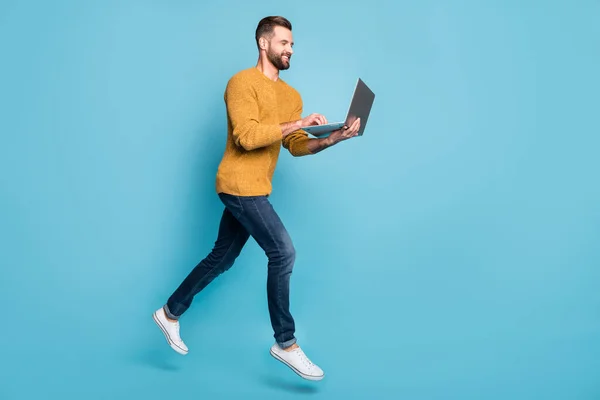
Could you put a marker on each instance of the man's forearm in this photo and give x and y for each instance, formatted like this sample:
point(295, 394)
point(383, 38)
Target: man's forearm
point(317, 145)
point(290, 127)
point(314, 145)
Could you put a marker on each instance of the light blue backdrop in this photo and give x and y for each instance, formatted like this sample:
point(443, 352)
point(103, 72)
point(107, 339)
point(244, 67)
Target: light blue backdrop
point(450, 253)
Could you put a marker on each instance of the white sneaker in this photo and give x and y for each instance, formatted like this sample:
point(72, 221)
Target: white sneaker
point(298, 362)
point(170, 330)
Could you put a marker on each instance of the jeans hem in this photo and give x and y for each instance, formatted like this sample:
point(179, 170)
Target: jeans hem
point(169, 314)
point(287, 343)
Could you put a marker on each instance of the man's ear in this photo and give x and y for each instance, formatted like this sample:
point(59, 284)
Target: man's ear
point(263, 43)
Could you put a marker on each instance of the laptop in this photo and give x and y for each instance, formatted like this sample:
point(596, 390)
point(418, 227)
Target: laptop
point(360, 107)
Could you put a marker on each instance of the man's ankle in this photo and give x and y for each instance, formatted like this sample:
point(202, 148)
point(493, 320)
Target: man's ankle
point(167, 317)
point(292, 347)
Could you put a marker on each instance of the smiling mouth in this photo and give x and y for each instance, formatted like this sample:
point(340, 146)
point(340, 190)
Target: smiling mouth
point(285, 58)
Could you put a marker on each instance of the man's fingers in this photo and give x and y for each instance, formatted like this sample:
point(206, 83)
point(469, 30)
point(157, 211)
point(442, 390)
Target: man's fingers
point(318, 119)
point(356, 126)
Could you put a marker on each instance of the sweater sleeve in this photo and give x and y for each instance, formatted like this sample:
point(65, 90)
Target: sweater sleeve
point(297, 142)
point(242, 108)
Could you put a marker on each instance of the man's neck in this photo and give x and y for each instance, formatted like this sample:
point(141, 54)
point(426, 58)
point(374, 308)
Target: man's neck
point(267, 69)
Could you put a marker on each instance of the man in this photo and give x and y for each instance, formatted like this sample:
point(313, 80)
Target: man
point(264, 113)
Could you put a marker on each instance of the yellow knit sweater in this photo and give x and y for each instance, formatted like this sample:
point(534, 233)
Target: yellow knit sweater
point(256, 105)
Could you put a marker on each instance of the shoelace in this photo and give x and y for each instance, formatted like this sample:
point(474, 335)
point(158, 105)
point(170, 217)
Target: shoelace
point(304, 358)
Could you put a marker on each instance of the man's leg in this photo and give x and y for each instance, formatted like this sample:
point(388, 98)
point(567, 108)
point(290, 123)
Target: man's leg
point(261, 221)
point(259, 218)
point(231, 239)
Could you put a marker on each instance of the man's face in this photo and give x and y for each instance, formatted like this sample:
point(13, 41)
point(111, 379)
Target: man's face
point(279, 49)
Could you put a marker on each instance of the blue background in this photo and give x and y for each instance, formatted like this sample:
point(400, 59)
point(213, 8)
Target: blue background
point(450, 253)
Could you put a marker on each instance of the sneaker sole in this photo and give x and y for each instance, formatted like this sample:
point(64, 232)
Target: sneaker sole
point(307, 377)
point(167, 337)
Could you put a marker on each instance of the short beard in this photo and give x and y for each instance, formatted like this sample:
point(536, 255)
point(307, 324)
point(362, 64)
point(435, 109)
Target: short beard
point(277, 60)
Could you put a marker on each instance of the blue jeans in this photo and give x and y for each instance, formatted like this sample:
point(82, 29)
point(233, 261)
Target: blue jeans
point(244, 217)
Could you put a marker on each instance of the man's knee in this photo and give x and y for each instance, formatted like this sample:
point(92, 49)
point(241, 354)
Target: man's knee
point(223, 259)
point(289, 252)
point(284, 255)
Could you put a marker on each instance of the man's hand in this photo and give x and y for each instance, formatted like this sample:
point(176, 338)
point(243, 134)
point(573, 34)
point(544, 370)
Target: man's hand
point(317, 145)
point(344, 133)
point(313, 119)
point(288, 128)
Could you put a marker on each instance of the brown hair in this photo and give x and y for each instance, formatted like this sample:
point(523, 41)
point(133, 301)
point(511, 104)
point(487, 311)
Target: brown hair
point(266, 25)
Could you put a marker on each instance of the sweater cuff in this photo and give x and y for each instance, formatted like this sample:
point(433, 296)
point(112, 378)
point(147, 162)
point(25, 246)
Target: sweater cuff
point(275, 134)
point(300, 147)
